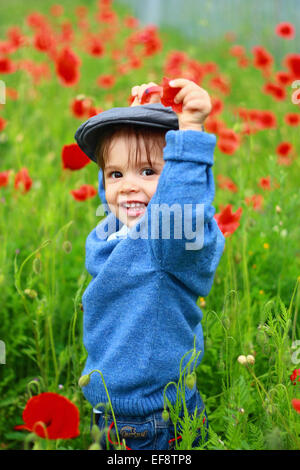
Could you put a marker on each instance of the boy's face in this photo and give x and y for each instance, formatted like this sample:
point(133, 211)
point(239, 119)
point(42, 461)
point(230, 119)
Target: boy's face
point(130, 182)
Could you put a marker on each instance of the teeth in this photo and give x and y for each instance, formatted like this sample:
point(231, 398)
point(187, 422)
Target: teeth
point(134, 204)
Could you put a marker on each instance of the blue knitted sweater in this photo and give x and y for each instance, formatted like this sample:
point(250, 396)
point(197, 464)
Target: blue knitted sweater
point(140, 311)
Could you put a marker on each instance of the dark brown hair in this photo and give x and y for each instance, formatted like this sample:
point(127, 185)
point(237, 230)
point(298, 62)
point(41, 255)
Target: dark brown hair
point(151, 137)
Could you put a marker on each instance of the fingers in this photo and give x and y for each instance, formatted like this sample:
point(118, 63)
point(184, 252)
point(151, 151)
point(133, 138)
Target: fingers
point(138, 91)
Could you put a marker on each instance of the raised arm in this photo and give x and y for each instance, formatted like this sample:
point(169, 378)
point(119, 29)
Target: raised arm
point(184, 237)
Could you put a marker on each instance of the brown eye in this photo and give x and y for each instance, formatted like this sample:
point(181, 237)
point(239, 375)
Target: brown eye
point(149, 169)
point(113, 172)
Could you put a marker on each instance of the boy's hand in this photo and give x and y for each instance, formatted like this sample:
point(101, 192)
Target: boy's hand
point(138, 91)
point(196, 104)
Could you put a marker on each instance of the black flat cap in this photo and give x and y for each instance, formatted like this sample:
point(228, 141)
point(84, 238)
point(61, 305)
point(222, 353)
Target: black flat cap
point(156, 115)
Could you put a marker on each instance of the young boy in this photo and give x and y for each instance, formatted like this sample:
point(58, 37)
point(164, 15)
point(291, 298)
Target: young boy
point(148, 262)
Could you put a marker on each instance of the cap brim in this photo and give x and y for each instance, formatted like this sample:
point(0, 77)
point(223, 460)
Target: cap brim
point(88, 135)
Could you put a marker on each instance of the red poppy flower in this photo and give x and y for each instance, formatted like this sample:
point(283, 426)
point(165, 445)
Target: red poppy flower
point(92, 111)
point(4, 178)
point(169, 94)
point(12, 93)
point(131, 22)
point(285, 30)
point(228, 221)
point(56, 10)
point(228, 141)
point(107, 16)
point(81, 106)
point(43, 40)
point(243, 62)
point(284, 149)
point(214, 125)
point(81, 11)
point(149, 37)
point(73, 158)
point(148, 92)
point(135, 62)
point(292, 62)
point(36, 20)
point(59, 415)
point(217, 106)
point(174, 63)
point(265, 183)
point(295, 374)
point(296, 404)
point(94, 46)
point(37, 71)
point(226, 183)
point(262, 58)
point(237, 51)
point(67, 33)
point(283, 78)
point(274, 90)
point(256, 201)
point(16, 37)
point(85, 191)
point(221, 84)
point(256, 120)
point(292, 119)
point(6, 65)
point(6, 47)
point(267, 120)
point(67, 67)
point(106, 81)
point(210, 67)
point(23, 178)
point(2, 124)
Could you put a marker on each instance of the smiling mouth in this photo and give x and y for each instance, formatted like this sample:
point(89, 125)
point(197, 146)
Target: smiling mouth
point(134, 209)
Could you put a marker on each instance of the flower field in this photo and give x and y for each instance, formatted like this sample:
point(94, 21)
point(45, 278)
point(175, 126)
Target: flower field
point(63, 63)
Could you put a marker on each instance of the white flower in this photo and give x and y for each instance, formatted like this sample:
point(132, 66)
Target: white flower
point(284, 233)
point(250, 359)
point(242, 360)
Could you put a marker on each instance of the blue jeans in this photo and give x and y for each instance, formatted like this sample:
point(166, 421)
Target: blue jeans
point(149, 432)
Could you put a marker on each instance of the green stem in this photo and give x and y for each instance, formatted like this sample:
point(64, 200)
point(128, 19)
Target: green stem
point(285, 425)
point(112, 411)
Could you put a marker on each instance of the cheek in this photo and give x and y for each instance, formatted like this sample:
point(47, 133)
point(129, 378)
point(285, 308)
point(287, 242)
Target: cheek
point(151, 189)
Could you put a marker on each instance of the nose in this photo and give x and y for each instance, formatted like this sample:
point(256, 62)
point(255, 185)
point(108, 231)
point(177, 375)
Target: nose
point(129, 185)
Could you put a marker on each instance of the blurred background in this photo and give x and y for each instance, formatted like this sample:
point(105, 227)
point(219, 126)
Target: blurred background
point(252, 22)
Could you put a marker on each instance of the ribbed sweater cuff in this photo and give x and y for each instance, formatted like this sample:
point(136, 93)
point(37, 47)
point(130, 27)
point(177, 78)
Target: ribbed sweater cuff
point(190, 145)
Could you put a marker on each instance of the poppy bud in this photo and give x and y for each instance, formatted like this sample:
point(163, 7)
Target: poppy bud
point(84, 380)
point(250, 359)
point(95, 432)
point(94, 446)
point(37, 265)
point(31, 293)
point(242, 360)
point(67, 246)
point(190, 381)
point(165, 415)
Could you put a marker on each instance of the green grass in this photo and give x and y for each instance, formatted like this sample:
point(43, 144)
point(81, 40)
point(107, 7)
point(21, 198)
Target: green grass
point(253, 305)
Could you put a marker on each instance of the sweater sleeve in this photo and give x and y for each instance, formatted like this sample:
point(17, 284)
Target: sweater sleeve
point(185, 238)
